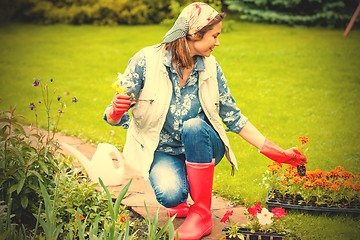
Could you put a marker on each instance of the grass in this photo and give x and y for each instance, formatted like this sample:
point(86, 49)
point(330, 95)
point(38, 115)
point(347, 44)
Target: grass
point(288, 81)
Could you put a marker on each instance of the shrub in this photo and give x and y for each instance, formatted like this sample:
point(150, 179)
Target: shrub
point(332, 13)
point(24, 161)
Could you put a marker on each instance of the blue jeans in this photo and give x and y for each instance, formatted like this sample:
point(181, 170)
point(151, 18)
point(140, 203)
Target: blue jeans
point(168, 175)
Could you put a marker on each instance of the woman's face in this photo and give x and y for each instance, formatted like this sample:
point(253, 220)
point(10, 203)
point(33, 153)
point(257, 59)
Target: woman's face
point(206, 45)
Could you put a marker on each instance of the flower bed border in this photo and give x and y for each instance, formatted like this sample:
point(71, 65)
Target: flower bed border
point(263, 235)
point(276, 203)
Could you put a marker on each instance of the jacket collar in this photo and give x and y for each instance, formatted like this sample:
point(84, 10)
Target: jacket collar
point(199, 61)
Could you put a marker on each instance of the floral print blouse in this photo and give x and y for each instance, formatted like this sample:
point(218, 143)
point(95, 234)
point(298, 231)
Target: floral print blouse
point(185, 103)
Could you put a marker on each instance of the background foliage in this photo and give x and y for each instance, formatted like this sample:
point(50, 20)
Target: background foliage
point(98, 12)
point(332, 13)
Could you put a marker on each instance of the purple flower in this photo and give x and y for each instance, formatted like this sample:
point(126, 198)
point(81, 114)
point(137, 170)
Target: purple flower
point(58, 98)
point(74, 100)
point(36, 83)
point(66, 93)
point(60, 111)
point(51, 80)
point(32, 106)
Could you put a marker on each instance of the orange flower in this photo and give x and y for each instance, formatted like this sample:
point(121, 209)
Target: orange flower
point(290, 169)
point(325, 174)
point(348, 183)
point(347, 175)
point(283, 182)
point(309, 175)
point(339, 168)
point(357, 186)
point(308, 184)
point(275, 167)
point(287, 175)
point(80, 216)
point(123, 218)
point(358, 176)
point(333, 173)
point(318, 182)
point(297, 179)
point(338, 182)
point(328, 184)
point(318, 173)
point(323, 179)
point(303, 139)
point(335, 187)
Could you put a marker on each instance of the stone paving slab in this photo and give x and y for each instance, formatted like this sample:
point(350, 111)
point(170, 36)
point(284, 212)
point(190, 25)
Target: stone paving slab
point(141, 190)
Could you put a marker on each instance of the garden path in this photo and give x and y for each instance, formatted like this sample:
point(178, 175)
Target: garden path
point(141, 190)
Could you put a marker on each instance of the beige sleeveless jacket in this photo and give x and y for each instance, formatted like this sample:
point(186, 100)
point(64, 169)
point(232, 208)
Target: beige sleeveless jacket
point(152, 104)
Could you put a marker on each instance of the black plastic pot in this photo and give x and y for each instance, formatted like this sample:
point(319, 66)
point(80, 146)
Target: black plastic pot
point(256, 235)
point(277, 201)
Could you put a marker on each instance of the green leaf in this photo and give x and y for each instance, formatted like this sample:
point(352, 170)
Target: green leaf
point(43, 166)
point(20, 185)
point(12, 188)
point(24, 201)
point(120, 197)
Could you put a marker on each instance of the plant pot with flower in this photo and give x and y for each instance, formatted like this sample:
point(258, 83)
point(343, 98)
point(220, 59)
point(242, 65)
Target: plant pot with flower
point(336, 190)
point(261, 224)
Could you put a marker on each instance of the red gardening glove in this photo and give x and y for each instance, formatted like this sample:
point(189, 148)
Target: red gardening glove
point(120, 105)
point(276, 153)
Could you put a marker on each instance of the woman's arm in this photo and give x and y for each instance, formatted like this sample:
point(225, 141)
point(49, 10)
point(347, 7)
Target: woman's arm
point(252, 135)
point(270, 149)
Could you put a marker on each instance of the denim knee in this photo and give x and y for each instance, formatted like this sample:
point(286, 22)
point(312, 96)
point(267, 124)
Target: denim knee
point(170, 195)
point(193, 126)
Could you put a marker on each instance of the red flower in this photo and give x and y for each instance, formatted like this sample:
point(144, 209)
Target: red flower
point(226, 216)
point(258, 207)
point(303, 139)
point(254, 210)
point(81, 217)
point(279, 212)
point(123, 218)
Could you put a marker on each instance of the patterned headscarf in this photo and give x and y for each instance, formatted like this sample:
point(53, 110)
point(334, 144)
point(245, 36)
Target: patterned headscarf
point(193, 18)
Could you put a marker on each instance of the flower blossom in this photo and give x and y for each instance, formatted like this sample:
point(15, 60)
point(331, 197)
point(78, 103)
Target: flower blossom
point(254, 210)
point(335, 187)
point(80, 216)
point(265, 217)
point(339, 168)
point(226, 216)
point(279, 212)
point(347, 175)
point(32, 106)
point(308, 185)
point(303, 139)
point(74, 100)
point(123, 217)
point(297, 180)
point(36, 83)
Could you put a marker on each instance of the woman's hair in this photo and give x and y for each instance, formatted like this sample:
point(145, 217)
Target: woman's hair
point(180, 48)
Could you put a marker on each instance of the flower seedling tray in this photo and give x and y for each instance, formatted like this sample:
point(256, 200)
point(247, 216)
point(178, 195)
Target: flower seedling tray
point(256, 235)
point(278, 202)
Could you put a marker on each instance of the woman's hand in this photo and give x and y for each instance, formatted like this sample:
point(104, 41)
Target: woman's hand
point(120, 105)
point(276, 153)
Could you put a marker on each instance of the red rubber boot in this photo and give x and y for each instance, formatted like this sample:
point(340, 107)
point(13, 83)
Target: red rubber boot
point(180, 211)
point(198, 222)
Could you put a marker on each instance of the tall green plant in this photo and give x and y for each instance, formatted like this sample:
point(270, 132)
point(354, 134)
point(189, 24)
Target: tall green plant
point(50, 227)
point(24, 160)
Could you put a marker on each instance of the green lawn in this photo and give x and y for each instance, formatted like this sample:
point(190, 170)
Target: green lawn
point(289, 82)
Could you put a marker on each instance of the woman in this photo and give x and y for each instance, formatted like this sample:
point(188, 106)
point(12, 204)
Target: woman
point(176, 135)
